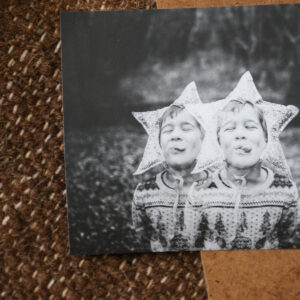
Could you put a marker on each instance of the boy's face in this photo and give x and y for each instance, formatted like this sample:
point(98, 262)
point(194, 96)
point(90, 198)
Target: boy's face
point(180, 140)
point(242, 138)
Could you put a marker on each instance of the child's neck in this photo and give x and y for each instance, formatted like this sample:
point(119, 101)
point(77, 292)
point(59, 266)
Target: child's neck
point(186, 175)
point(246, 177)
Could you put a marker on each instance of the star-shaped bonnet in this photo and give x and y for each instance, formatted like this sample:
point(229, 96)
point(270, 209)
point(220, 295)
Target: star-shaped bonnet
point(150, 120)
point(277, 117)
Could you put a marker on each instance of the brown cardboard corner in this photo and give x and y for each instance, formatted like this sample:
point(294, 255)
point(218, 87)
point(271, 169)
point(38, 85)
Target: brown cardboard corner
point(164, 4)
point(252, 274)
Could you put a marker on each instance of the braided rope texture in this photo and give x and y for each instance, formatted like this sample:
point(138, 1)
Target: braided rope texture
point(34, 251)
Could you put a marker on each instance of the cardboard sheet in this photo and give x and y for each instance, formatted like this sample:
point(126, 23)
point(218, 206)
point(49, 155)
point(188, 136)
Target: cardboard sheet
point(205, 3)
point(252, 274)
point(256, 274)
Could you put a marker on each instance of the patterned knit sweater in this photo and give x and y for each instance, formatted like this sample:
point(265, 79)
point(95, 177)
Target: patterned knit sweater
point(227, 217)
point(162, 214)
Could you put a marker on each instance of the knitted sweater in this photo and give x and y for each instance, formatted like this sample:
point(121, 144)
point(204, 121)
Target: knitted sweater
point(227, 217)
point(162, 214)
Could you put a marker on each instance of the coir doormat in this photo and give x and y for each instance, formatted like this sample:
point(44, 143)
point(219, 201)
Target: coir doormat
point(34, 251)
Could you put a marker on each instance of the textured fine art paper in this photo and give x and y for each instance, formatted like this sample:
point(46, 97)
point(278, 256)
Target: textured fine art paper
point(181, 129)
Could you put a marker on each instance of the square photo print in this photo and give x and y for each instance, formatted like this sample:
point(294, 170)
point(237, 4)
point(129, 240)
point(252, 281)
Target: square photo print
point(181, 129)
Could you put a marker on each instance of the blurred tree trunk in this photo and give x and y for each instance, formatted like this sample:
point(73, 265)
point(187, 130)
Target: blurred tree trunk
point(293, 94)
point(291, 31)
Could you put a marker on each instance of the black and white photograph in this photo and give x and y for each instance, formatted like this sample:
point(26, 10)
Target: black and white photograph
point(182, 128)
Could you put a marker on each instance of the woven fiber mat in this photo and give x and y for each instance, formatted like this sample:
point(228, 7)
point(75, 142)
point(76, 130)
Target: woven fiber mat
point(34, 252)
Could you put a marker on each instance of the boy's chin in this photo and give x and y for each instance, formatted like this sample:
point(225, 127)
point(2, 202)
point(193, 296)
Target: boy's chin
point(181, 166)
point(243, 165)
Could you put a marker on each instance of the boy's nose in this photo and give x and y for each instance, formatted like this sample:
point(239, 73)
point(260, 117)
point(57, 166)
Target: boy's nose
point(175, 138)
point(240, 137)
point(176, 134)
point(239, 134)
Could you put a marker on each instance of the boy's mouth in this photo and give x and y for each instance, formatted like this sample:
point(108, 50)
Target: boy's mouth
point(243, 149)
point(177, 150)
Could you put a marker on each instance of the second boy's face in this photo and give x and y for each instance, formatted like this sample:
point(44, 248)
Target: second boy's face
point(180, 140)
point(242, 138)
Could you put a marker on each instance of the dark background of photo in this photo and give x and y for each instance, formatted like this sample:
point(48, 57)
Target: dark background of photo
point(108, 73)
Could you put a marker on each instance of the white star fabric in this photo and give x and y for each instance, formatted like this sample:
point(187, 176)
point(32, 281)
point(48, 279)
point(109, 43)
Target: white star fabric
point(150, 120)
point(210, 156)
point(277, 117)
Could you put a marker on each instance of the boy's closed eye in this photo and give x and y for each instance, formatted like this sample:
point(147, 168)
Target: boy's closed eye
point(251, 125)
point(187, 127)
point(229, 126)
point(167, 128)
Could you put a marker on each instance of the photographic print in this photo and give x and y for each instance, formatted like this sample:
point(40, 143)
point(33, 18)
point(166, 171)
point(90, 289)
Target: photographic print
point(181, 129)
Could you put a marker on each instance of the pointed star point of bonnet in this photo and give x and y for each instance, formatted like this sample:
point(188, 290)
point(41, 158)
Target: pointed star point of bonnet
point(245, 89)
